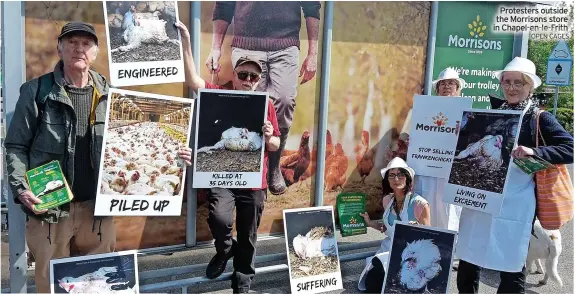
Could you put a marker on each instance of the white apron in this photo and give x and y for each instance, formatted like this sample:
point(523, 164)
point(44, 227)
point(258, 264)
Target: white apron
point(500, 242)
point(443, 215)
point(383, 251)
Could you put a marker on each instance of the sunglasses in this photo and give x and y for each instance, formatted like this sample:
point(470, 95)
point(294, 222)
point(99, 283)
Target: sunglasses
point(243, 75)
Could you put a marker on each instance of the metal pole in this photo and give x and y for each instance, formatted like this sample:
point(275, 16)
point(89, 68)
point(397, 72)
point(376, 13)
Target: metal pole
point(555, 102)
point(431, 47)
point(324, 100)
point(520, 44)
point(192, 199)
point(13, 75)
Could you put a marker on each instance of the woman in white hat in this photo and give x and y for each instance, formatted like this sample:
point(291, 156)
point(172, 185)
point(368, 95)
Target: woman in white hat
point(399, 203)
point(501, 242)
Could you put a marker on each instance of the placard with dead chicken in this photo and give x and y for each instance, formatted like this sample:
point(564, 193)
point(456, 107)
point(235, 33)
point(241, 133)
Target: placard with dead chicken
point(229, 139)
point(481, 164)
point(311, 243)
point(144, 46)
point(140, 171)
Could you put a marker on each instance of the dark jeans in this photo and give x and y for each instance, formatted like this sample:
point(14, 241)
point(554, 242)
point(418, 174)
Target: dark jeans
point(468, 279)
point(249, 207)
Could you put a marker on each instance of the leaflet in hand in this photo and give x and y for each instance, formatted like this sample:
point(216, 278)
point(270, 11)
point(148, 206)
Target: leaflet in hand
point(349, 206)
point(532, 164)
point(48, 183)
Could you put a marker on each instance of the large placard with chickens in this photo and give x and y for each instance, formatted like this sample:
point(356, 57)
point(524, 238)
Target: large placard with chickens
point(229, 139)
point(311, 243)
point(434, 126)
point(144, 46)
point(115, 272)
point(140, 170)
point(480, 168)
point(418, 249)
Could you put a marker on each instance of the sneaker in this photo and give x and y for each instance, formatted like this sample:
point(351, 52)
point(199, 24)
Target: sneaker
point(218, 263)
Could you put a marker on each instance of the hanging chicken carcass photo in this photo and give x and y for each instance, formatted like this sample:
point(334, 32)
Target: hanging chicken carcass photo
point(142, 141)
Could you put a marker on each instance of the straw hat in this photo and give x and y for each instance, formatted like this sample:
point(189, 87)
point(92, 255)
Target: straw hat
point(449, 74)
point(397, 163)
point(522, 65)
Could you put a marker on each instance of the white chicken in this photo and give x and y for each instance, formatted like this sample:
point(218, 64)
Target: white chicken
point(236, 139)
point(94, 283)
point(419, 264)
point(51, 186)
point(486, 152)
point(318, 242)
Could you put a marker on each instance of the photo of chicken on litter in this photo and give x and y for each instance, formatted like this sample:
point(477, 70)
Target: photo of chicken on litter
point(139, 28)
point(483, 151)
point(420, 260)
point(114, 273)
point(229, 137)
point(311, 244)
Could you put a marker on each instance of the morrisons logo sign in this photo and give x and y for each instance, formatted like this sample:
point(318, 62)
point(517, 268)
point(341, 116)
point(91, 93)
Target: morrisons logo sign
point(476, 31)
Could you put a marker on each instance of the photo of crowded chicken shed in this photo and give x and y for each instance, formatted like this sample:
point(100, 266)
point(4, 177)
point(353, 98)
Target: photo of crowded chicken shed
point(483, 151)
point(141, 31)
point(311, 242)
point(143, 136)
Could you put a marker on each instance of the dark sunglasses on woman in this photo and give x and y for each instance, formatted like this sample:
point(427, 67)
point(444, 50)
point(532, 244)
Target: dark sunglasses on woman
point(243, 75)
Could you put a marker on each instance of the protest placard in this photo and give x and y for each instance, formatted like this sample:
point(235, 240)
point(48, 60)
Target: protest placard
point(229, 139)
point(140, 171)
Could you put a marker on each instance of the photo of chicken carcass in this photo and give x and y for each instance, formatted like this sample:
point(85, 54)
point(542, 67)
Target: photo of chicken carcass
point(483, 150)
point(140, 31)
point(312, 243)
point(229, 132)
point(102, 275)
point(420, 260)
point(142, 141)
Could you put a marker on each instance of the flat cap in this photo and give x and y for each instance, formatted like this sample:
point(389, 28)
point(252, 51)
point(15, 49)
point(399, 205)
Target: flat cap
point(78, 27)
point(248, 59)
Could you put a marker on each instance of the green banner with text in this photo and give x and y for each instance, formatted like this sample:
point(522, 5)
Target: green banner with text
point(465, 41)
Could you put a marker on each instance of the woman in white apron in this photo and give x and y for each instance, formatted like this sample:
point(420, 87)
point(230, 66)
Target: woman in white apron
point(501, 242)
point(400, 203)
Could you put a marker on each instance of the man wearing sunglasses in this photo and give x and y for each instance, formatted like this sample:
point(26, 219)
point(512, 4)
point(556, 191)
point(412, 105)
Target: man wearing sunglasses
point(249, 203)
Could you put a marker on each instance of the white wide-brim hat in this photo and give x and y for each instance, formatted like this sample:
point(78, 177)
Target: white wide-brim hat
point(397, 163)
point(449, 74)
point(522, 65)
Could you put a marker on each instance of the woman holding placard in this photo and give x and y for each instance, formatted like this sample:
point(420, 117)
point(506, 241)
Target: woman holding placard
point(400, 204)
point(501, 242)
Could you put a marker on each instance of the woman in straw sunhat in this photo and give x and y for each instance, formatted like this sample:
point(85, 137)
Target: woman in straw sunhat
point(399, 203)
point(501, 242)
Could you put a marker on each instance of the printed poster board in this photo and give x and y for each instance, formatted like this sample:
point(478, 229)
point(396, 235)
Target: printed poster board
point(416, 249)
point(229, 139)
point(311, 243)
point(479, 170)
point(115, 272)
point(433, 135)
point(140, 172)
point(144, 46)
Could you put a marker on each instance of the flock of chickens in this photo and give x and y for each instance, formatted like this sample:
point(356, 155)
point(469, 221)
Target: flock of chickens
point(141, 159)
point(299, 165)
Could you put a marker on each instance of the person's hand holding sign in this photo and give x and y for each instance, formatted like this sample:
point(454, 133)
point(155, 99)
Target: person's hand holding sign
point(28, 199)
point(268, 130)
point(522, 152)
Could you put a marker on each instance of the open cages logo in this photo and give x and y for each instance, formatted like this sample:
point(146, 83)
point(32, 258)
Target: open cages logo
point(477, 28)
point(440, 119)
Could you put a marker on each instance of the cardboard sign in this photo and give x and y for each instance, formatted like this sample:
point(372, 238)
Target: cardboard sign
point(140, 171)
point(229, 140)
point(311, 243)
point(115, 272)
point(433, 133)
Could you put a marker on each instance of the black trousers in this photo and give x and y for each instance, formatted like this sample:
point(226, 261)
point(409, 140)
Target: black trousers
point(249, 208)
point(468, 279)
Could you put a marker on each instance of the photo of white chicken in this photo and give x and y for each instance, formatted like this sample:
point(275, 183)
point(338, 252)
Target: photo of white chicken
point(419, 264)
point(318, 242)
point(236, 139)
point(486, 153)
point(94, 283)
point(51, 186)
point(141, 145)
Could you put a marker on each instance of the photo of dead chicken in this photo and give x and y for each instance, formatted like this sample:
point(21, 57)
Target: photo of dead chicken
point(141, 31)
point(311, 242)
point(420, 260)
point(229, 135)
point(144, 133)
point(483, 151)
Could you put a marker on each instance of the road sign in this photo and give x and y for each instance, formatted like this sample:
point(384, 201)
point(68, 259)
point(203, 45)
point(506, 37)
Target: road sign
point(559, 65)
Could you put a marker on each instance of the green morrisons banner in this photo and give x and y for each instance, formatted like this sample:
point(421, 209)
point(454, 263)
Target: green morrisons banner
point(466, 42)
